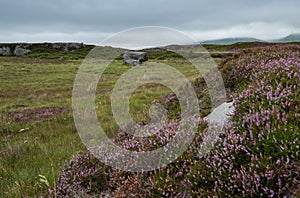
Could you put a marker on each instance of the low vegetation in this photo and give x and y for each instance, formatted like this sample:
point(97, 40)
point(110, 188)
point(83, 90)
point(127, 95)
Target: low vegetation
point(256, 155)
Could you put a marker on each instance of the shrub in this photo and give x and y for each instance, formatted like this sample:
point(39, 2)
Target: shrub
point(256, 155)
point(84, 175)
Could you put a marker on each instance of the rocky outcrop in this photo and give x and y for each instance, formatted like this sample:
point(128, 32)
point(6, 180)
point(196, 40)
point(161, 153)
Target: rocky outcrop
point(4, 51)
point(134, 58)
point(21, 50)
point(67, 46)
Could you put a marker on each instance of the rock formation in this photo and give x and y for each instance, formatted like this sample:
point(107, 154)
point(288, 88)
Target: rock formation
point(134, 58)
point(20, 50)
point(67, 46)
point(4, 51)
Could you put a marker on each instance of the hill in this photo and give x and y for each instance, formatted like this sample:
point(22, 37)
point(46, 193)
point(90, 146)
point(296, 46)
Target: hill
point(289, 38)
point(229, 41)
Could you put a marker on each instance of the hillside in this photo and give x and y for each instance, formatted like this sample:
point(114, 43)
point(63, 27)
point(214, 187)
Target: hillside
point(228, 41)
point(39, 137)
point(290, 38)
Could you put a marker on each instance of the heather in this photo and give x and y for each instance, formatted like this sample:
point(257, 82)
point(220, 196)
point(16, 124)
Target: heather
point(38, 135)
point(39, 114)
point(255, 155)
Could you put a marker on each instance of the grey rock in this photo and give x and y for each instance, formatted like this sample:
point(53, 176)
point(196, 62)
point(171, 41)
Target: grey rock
point(134, 58)
point(217, 120)
point(73, 46)
point(131, 62)
point(60, 46)
point(221, 114)
point(4, 51)
point(57, 45)
point(66, 46)
point(20, 51)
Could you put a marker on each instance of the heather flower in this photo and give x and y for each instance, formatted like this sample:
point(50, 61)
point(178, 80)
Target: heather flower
point(255, 155)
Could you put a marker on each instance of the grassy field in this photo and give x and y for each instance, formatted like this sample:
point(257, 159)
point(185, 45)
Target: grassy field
point(39, 146)
point(43, 146)
point(37, 131)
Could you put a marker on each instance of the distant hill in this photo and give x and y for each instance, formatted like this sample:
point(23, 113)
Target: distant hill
point(289, 38)
point(229, 41)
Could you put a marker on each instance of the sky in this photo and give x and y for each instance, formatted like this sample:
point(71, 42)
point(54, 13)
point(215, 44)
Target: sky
point(91, 21)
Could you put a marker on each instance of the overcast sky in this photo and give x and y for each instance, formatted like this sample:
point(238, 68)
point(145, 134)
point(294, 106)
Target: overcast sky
point(91, 21)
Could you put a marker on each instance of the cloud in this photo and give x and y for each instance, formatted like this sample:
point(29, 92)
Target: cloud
point(260, 30)
point(86, 37)
point(148, 36)
point(76, 20)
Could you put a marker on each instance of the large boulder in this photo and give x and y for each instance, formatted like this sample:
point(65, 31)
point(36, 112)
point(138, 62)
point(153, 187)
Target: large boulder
point(132, 62)
point(221, 114)
point(20, 51)
point(4, 51)
point(134, 58)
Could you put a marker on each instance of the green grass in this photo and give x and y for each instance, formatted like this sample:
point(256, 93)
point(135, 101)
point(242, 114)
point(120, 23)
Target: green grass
point(43, 78)
point(33, 153)
point(44, 147)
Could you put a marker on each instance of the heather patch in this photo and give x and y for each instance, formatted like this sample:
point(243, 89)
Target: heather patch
point(36, 114)
point(256, 155)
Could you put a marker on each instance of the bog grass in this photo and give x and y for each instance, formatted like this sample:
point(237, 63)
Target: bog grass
point(32, 153)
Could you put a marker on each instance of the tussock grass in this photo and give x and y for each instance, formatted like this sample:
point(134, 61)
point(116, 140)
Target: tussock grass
point(44, 79)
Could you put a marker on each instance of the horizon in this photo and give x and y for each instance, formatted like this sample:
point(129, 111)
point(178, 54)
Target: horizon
point(197, 42)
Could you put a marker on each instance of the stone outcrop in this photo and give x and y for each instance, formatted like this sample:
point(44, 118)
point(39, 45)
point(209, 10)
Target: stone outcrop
point(134, 58)
point(21, 50)
point(67, 46)
point(4, 51)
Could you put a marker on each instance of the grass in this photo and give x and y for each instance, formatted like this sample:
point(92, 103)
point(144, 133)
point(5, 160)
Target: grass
point(33, 153)
point(255, 155)
point(44, 147)
point(43, 78)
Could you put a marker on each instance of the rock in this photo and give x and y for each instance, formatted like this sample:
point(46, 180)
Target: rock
point(66, 46)
point(20, 51)
point(131, 62)
point(57, 45)
point(4, 51)
point(134, 58)
point(221, 114)
point(73, 46)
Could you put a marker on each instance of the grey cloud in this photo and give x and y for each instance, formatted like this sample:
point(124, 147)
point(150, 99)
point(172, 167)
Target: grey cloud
point(73, 17)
